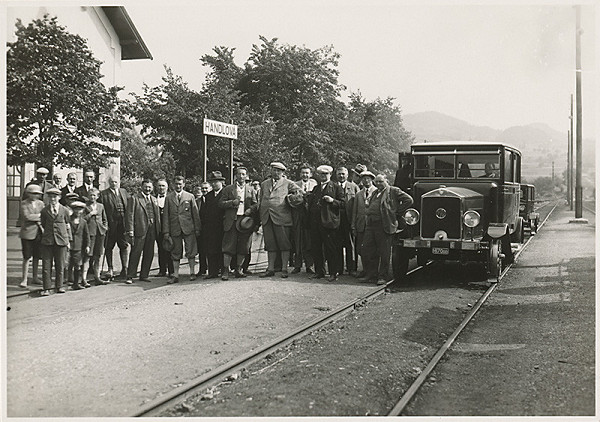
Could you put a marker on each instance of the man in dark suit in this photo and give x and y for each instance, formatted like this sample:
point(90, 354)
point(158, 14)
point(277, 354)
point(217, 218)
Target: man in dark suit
point(88, 183)
point(300, 231)
point(350, 189)
point(165, 263)
point(324, 205)
point(384, 215)
point(359, 214)
point(142, 226)
point(56, 238)
point(237, 201)
point(204, 189)
point(115, 201)
point(182, 225)
point(68, 188)
point(211, 216)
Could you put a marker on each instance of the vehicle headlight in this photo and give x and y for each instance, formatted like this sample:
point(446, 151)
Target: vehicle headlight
point(411, 216)
point(471, 219)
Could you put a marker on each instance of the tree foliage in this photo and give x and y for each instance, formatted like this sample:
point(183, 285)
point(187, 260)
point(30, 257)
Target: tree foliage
point(58, 110)
point(286, 101)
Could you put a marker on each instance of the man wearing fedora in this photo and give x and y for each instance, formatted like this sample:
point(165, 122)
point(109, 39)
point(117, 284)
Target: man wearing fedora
point(238, 202)
point(359, 214)
point(182, 225)
point(324, 205)
point(356, 174)
point(211, 216)
point(276, 217)
point(142, 227)
point(56, 238)
point(300, 231)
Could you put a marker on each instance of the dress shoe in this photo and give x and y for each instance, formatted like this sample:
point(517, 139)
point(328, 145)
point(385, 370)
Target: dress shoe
point(353, 273)
point(76, 286)
point(267, 274)
point(23, 285)
point(60, 290)
point(173, 280)
point(225, 277)
point(239, 274)
point(86, 284)
point(129, 281)
point(316, 275)
point(45, 293)
point(161, 274)
point(332, 278)
point(284, 274)
point(248, 272)
point(381, 282)
point(360, 274)
point(146, 279)
point(295, 270)
point(193, 277)
point(122, 274)
point(310, 271)
point(209, 276)
point(37, 281)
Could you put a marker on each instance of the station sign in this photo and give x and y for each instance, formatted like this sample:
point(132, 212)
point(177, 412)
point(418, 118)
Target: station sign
point(225, 130)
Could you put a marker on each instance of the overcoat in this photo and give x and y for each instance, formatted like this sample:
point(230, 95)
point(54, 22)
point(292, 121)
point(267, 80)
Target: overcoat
point(138, 215)
point(273, 201)
point(329, 212)
point(212, 222)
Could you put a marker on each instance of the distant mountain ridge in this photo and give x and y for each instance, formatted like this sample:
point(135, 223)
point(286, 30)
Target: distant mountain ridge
point(540, 144)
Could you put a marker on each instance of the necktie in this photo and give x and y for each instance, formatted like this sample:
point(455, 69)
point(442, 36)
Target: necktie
point(178, 198)
point(54, 211)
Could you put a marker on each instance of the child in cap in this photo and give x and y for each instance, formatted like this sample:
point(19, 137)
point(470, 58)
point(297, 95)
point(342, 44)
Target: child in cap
point(97, 222)
point(80, 244)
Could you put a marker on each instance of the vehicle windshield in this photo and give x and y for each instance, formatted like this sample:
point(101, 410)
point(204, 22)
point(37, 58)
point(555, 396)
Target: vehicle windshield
point(459, 165)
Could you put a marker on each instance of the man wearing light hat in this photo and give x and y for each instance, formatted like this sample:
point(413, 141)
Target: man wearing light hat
point(356, 174)
point(324, 204)
point(276, 217)
point(56, 238)
point(42, 182)
point(359, 213)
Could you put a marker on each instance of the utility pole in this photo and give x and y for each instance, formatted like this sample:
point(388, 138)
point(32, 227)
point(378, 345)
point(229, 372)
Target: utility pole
point(578, 186)
point(553, 173)
point(571, 158)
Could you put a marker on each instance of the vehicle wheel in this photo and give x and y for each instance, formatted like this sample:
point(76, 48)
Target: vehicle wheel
point(494, 263)
point(400, 257)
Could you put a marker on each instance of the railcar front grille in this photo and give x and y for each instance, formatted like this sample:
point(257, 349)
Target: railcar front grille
point(441, 213)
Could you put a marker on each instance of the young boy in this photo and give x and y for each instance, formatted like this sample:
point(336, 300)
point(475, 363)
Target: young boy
point(97, 222)
point(80, 244)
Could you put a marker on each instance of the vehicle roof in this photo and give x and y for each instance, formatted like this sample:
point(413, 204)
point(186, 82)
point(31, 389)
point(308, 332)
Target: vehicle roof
point(464, 145)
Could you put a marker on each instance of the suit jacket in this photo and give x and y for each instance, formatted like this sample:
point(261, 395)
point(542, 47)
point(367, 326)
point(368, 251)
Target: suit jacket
point(63, 194)
point(44, 186)
point(226, 203)
point(359, 211)
point(81, 236)
point(273, 201)
point(181, 217)
point(96, 223)
point(211, 216)
point(311, 185)
point(109, 200)
point(138, 217)
point(31, 219)
point(349, 192)
point(394, 202)
point(327, 213)
point(57, 230)
point(82, 192)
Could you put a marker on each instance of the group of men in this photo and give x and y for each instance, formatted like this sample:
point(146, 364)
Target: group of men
point(316, 223)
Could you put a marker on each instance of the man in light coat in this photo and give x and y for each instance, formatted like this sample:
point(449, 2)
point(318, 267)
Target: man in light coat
point(276, 217)
point(143, 227)
point(182, 225)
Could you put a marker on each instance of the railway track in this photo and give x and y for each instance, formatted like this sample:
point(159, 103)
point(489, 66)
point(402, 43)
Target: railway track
point(218, 375)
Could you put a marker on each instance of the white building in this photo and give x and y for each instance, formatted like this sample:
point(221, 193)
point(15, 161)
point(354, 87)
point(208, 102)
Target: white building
point(112, 37)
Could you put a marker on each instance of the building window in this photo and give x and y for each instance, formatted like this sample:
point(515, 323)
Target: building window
point(13, 183)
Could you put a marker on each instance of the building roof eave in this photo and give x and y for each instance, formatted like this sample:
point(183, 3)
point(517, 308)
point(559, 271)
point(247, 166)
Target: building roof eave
point(132, 44)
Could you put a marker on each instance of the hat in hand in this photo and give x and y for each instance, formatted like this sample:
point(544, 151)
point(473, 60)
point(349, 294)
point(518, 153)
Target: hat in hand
point(245, 224)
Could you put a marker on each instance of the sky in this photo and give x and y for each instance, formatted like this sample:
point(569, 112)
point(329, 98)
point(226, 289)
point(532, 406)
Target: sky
point(496, 65)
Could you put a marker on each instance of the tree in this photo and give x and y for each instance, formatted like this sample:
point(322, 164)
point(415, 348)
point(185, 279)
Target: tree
point(58, 111)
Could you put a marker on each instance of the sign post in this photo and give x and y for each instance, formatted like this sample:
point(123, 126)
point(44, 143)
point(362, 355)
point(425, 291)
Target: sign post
point(223, 130)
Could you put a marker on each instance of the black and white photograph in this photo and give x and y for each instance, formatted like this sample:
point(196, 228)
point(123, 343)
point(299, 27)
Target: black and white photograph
point(319, 209)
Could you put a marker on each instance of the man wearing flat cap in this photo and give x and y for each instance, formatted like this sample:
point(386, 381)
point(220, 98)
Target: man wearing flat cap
point(276, 217)
point(41, 180)
point(237, 201)
point(324, 205)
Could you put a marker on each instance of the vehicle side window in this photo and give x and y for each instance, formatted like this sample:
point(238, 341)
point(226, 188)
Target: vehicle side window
point(508, 166)
point(478, 165)
point(434, 166)
point(516, 168)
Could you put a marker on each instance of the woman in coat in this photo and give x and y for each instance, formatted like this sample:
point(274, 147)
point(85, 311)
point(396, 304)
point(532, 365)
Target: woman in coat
point(31, 231)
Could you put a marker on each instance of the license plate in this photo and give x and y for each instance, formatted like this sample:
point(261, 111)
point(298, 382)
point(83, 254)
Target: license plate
point(440, 251)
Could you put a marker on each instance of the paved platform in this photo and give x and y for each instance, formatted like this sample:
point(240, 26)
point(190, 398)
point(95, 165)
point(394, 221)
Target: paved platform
point(531, 349)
